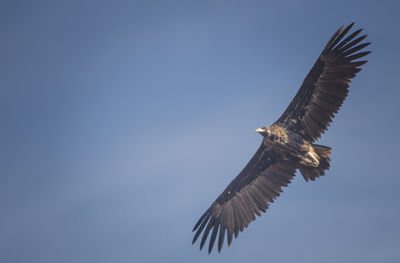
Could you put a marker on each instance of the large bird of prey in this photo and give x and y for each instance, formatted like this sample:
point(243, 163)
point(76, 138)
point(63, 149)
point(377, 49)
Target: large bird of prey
point(288, 144)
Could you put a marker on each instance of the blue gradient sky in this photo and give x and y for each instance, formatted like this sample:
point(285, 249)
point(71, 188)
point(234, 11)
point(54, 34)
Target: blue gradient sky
point(123, 120)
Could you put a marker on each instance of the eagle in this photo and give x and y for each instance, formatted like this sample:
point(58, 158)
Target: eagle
point(288, 144)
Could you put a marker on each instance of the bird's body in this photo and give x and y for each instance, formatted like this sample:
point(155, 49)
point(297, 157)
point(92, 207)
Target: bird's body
point(291, 146)
point(288, 144)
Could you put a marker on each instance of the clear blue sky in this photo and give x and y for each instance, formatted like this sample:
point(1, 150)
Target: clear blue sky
point(123, 120)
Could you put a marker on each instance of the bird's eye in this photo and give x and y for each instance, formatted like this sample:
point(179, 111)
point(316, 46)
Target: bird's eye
point(273, 137)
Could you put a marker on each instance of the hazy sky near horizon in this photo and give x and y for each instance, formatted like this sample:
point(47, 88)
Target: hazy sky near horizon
point(122, 121)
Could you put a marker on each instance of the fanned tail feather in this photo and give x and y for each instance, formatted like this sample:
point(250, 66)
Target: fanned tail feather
point(311, 173)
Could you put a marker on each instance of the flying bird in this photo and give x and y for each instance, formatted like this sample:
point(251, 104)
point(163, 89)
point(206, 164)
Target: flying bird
point(288, 144)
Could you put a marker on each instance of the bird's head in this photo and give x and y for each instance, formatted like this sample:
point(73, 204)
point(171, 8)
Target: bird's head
point(264, 131)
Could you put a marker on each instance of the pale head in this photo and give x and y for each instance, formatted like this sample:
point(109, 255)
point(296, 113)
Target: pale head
point(264, 131)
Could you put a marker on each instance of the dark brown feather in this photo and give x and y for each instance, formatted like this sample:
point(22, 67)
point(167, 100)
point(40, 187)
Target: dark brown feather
point(248, 195)
point(326, 85)
point(350, 37)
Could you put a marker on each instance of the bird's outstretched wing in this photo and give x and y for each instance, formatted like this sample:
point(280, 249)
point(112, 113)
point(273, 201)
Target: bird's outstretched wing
point(326, 85)
point(251, 192)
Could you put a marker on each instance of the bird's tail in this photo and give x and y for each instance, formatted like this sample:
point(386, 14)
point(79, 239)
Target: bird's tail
point(311, 173)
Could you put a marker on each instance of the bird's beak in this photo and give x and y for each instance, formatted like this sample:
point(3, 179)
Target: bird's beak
point(260, 130)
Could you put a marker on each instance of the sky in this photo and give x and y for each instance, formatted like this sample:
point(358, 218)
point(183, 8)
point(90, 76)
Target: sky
point(122, 121)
